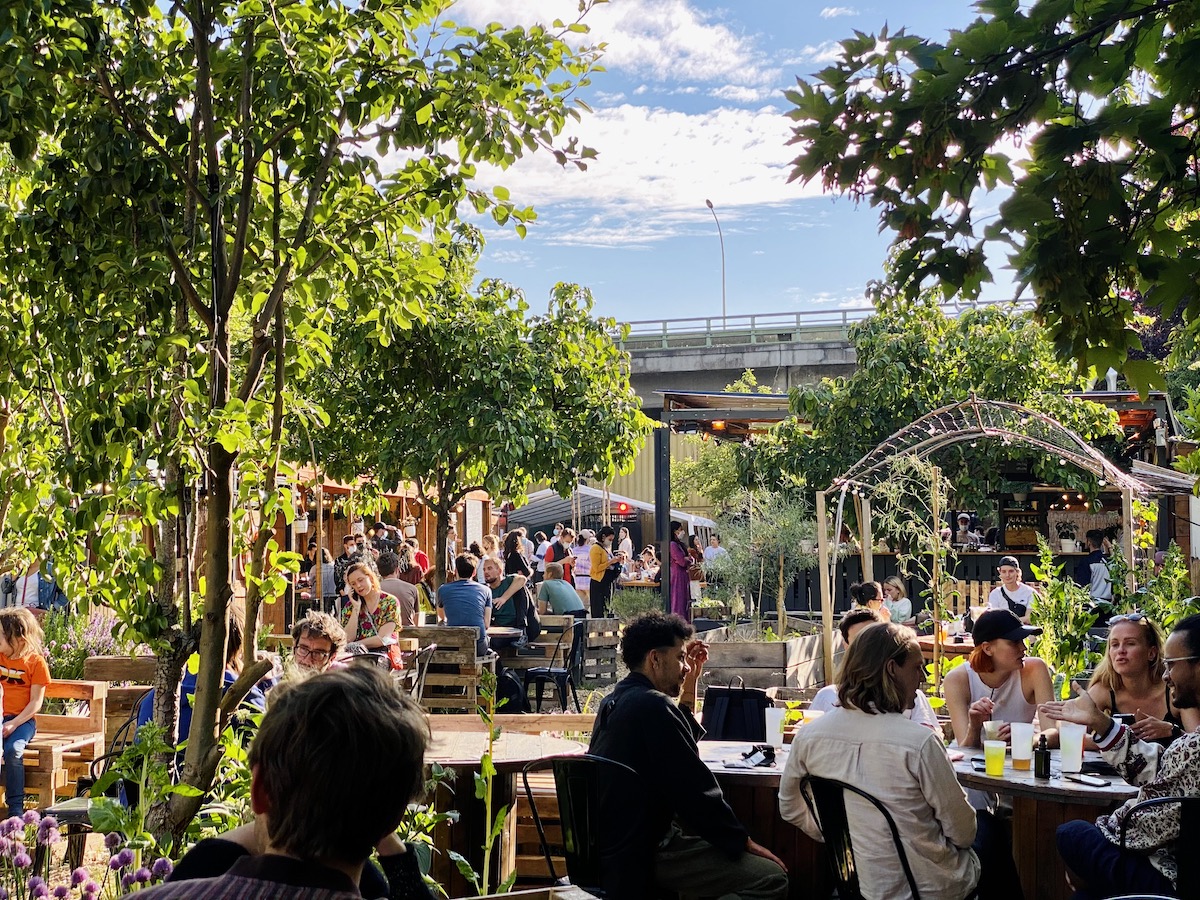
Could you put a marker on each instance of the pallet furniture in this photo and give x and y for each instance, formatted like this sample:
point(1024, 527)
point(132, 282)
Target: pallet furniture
point(600, 649)
point(65, 743)
point(452, 680)
point(136, 674)
point(959, 596)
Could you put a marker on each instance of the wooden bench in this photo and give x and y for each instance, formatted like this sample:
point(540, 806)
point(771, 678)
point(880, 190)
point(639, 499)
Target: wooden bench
point(452, 682)
point(134, 675)
point(65, 744)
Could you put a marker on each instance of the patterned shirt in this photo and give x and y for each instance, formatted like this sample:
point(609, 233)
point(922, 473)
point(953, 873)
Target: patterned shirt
point(266, 877)
point(369, 623)
point(1170, 772)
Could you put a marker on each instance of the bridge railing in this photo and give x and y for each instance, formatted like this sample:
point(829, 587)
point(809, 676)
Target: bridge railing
point(764, 328)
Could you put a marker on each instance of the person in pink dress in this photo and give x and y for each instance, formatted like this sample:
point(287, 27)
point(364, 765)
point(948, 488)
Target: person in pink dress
point(681, 597)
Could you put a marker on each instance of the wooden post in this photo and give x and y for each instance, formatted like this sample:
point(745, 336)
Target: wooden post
point(1127, 537)
point(865, 537)
point(826, 588)
point(936, 579)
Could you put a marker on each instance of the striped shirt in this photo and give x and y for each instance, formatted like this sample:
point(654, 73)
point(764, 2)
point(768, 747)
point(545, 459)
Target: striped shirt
point(266, 877)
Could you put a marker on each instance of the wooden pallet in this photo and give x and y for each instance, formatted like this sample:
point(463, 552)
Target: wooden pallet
point(452, 683)
point(64, 746)
point(531, 861)
point(959, 596)
point(600, 651)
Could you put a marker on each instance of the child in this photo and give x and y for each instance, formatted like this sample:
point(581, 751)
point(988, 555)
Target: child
point(24, 674)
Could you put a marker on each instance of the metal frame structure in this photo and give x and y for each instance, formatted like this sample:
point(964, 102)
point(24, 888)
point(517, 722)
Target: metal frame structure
point(967, 421)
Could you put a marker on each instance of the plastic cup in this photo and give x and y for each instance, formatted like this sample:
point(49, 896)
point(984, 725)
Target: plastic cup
point(991, 730)
point(993, 758)
point(1022, 746)
point(775, 719)
point(1070, 742)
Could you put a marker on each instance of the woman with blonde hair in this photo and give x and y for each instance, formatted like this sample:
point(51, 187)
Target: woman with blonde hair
point(881, 673)
point(896, 602)
point(1129, 681)
point(25, 678)
point(369, 616)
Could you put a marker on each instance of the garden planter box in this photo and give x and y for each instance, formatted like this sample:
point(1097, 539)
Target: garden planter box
point(795, 663)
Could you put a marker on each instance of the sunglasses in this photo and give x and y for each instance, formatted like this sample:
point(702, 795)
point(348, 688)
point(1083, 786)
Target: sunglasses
point(1134, 617)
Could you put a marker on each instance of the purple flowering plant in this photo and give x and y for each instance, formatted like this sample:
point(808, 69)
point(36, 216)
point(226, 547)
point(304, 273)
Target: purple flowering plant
point(26, 847)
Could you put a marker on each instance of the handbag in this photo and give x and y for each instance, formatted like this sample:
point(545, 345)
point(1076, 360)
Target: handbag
point(735, 713)
point(395, 656)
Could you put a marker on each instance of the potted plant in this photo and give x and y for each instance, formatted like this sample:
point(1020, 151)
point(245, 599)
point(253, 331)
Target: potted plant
point(1066, 529)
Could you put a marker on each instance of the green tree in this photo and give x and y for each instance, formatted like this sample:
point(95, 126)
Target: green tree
point(480, 395)
point(913, 359)
point(198, 194)
point(1098, 97)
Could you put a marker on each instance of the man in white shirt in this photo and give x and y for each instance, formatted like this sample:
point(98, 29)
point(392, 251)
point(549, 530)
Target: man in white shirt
point(714, 550)
point(1013, 594)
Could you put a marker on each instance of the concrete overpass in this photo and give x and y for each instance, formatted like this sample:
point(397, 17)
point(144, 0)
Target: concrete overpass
point(706, 354)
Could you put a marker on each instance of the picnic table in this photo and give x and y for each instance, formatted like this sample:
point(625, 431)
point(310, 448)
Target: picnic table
point(1039, 806)
point(959, 645)
point(462, 751)
point(753, 794)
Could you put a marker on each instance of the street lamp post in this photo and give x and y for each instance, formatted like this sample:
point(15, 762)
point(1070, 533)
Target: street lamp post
point(721, 237)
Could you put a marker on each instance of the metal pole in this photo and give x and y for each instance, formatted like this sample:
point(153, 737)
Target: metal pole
point(662, 505)
point(721, 237)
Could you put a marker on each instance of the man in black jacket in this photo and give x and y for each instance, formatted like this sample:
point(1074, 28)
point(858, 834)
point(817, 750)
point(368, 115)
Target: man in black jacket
point(690, 837)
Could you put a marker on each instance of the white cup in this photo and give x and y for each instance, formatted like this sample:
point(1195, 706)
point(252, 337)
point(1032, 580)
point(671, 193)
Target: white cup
point(775, 717)
point(1070, 742)
point(1022, 745)
point(991, 729)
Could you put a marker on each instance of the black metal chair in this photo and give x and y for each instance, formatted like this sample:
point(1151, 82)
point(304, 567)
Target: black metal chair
point(418, 661)
point(74, 812)
point(829, 796)
point(563, 677)
point(1188, 882)
point(602, 863)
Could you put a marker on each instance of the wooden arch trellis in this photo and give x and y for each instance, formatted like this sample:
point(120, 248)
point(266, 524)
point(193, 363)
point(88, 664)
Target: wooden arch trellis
point(965, 422)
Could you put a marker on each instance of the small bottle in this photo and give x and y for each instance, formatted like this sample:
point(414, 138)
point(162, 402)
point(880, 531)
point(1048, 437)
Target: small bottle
point(1041, 759)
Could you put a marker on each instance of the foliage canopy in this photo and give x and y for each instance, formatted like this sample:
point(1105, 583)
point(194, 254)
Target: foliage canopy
point(1083, 112)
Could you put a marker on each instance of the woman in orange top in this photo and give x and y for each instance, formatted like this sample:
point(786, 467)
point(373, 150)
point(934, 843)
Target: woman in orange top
point(24, 674)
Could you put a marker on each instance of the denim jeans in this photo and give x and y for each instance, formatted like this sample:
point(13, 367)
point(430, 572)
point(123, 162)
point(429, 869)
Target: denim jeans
point(14, 765)
point(1106, 869)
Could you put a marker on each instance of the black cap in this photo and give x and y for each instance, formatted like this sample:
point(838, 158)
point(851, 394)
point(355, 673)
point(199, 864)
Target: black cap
point(1008, 561)
point(997, 624)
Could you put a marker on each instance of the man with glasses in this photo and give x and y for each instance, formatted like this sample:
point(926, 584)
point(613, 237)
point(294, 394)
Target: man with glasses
point(316, 640)
point(1097, 863)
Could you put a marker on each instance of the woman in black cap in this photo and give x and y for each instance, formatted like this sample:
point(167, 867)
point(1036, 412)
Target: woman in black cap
point(999, 683)
point(1013, 594)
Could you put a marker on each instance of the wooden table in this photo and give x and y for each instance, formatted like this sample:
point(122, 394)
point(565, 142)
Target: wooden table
point(1039, 807)
point(462, 751)
point(754, 796)
point(500, 636)
point(950, 648)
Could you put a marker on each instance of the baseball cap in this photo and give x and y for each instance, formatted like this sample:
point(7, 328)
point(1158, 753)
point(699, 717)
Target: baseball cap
point(1001, 624)
point(964, 517)
point(1008, 561)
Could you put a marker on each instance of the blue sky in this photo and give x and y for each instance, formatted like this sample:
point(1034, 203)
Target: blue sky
point(690, 108)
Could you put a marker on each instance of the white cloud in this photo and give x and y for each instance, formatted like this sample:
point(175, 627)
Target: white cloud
point(740, 94)
point(832, 12)
point(665, 40)
point(819, 54)
point(655, 169)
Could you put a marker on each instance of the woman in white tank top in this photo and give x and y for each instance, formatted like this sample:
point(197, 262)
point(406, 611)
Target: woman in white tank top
point(1000, 682)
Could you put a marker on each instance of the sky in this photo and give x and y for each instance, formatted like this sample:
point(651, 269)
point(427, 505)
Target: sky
point(691, 109)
